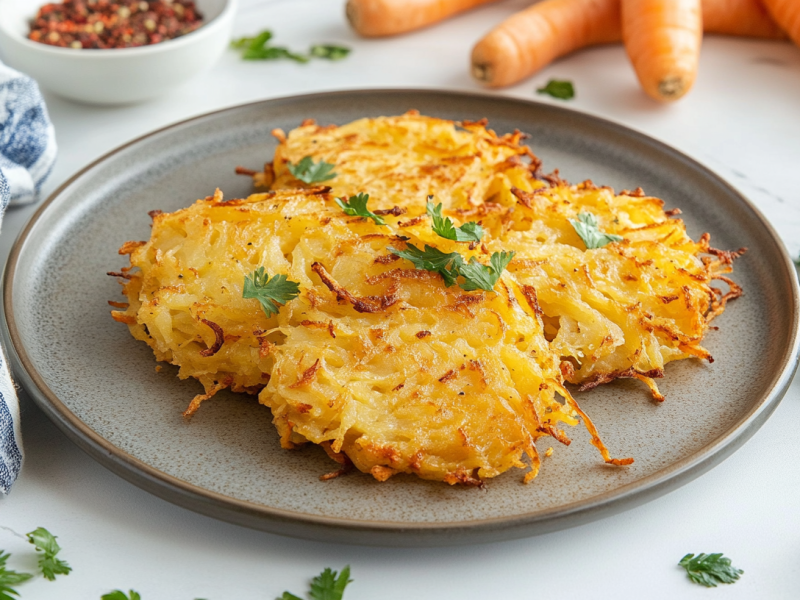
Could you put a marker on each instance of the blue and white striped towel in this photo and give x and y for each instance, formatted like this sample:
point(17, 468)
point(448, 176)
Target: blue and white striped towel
point(27, 153)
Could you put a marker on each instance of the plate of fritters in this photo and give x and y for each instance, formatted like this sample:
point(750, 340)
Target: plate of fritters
point(402, 317)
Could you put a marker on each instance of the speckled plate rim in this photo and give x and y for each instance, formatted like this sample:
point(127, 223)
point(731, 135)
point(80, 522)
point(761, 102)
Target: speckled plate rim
point(303, 525)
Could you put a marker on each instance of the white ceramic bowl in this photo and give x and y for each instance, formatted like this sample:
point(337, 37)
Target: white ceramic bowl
point(116, 76)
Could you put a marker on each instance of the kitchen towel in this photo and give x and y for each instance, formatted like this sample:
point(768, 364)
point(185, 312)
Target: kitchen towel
point(27, 154)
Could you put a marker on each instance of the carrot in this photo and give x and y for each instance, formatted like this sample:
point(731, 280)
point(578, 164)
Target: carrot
point(739, 17)
point(377, 18)
point(663, 39)
point(531, 39)
point(787, 14)
point(534, 37)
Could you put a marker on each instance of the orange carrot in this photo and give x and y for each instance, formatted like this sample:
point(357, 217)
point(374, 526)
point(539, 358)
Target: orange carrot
point(377, 18)
point(531, 39)
point(534, 37)
point(787, 14)
point(739, 17)
point(663, 39)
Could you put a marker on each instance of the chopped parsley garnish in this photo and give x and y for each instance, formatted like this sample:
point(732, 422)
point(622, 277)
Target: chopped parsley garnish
point(563, 90)
point(444, 227)
point(709, 569)
point(120, 595)
point(326, 586)
point(483, 277)
point(308, 171)
point(45, 543)
point(329, 51)
point(9, 578)
point(432, 259)
point(356, 206)
point(269, 292)
point(257, 48)
point(450, 266)
point(586, 227)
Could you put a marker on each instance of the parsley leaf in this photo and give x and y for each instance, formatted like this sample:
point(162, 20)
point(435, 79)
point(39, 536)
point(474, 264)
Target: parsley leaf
point(256, 48)
point(444, 227)
point(269, 292)
point(119, 595)
point(563, 90)
point(483, 277)
point(9, 578)
point(709, 569)
point(356, 206)
point(45, 543)
point(246, 42)
point(329, 51)
point(432, 259)
point(451, 266)
point(586, 227)
point(308, 171)
point(325, 586)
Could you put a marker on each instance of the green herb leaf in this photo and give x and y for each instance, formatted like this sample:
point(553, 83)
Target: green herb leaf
point(120, 595)
point(329, 51)
point(256, 48)
point(273, 53)
point(45, 543)
point(563, 90)
point(269, 292)
point(327, 586)
point(444, 227)
point(586, 227)
point(709, 569)
point(9, 578)
point(257, 42)
point(308, 171)
point(356, 206)
point(432, 259)
point(483, 277)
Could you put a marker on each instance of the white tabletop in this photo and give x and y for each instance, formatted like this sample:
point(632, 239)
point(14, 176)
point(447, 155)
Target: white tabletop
point(741, 120)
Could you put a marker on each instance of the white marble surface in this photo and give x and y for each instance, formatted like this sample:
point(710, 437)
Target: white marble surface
point(741, 120)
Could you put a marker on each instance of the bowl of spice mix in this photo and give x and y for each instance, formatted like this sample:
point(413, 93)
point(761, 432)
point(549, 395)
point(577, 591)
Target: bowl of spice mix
point(114, 51)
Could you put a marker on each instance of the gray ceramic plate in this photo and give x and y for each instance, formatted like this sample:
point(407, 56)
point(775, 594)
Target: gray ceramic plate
point(100, 386)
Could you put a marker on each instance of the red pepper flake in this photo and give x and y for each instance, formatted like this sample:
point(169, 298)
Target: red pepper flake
point(103, 24)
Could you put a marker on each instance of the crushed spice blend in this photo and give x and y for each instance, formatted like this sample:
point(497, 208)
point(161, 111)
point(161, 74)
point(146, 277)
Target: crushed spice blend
point(103, 24)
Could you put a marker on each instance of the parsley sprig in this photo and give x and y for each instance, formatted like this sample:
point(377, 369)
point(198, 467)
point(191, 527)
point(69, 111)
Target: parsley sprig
point(325, 586)
point(45, 542)
point(9, 578)
point(329, 51)
point(444, 227)
point(269, 292)
point(307, 171)
point(476, 276)
point(586, 226)
point(563, 90)
point(710, 569)
point(433, 259)
point(120, 595)
point(356, 206)
point(258, 48)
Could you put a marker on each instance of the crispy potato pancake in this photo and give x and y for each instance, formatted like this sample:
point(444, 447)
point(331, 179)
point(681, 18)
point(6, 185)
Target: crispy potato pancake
point(384, 365)
point(623, 310)
point(380, 363)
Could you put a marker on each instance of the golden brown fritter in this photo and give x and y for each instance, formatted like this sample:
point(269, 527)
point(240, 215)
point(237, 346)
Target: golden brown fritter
point(376, 360)
point(623, 310)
